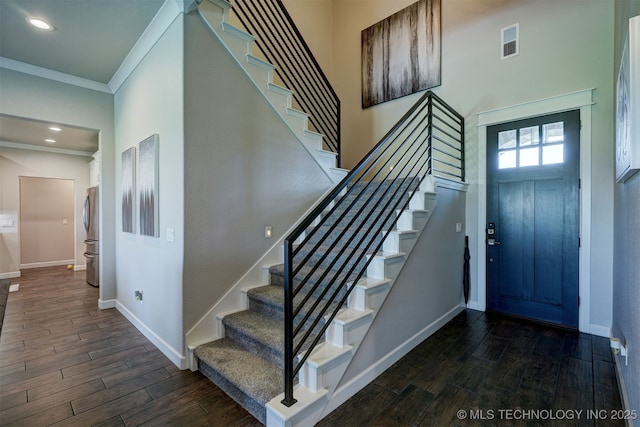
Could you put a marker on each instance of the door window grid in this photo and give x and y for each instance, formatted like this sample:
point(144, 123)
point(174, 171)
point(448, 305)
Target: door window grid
point(531, 146)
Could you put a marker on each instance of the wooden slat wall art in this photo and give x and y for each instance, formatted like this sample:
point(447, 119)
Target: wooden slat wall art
point(401, 54)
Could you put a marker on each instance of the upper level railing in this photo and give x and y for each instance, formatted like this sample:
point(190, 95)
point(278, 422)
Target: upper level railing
point(328, 253)
point(282, 45)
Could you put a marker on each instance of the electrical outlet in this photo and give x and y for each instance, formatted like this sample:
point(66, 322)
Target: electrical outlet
point(138, 295)
point(619, 349)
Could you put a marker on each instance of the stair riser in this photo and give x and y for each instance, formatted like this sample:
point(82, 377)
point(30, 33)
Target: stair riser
point(256, 409)
point(316, 378)
point(218, 11)
point(275, 311)
point(340, 238)
point(312, 141)
point(377, 191)
point(341, 335)
point(326, 160)
point(259, 75)
point(412, 220)
point(396, 242)
point(278, 101)
point(388, 268)
point(270, 310)
point(422, 200)
point(278, 280)
point(273, 355)
point(330, 259)
point(368, 298)
point(238, 47)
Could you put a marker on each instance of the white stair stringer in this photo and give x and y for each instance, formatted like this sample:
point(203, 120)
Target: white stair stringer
point(239, 44)
point(323, 370)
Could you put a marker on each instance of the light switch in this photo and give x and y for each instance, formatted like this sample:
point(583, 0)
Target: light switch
point(171, 235)
point(458, 227)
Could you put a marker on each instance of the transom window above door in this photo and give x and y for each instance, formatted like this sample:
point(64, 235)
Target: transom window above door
point(531, 146)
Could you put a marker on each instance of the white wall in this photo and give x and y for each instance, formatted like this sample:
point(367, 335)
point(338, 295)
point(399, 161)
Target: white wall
point(37, 98)
point(15, 163)
point(151, 101)
point(563, 49)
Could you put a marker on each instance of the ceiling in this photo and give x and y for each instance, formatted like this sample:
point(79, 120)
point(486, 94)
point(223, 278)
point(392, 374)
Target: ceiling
point(91, 39)
point(32, 132)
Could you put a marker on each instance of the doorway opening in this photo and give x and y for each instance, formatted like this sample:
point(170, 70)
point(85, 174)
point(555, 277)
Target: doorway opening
point(47, 222)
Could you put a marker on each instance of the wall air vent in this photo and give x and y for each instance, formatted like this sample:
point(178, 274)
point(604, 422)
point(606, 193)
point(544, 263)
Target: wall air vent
point(510, 41)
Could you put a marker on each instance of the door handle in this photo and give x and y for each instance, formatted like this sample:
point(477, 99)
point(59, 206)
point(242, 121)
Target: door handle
point(493, 242)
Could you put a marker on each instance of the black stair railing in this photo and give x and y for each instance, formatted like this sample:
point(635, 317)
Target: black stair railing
point(329, 252)
point(282, 44)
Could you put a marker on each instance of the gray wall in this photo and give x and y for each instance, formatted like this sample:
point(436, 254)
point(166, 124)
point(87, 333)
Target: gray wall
point(246, 170)
point(151, 102)
point(626, 278)
point(429, 286)
point(37, 98)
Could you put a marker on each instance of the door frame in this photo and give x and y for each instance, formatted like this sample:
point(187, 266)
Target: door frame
point(583, 101)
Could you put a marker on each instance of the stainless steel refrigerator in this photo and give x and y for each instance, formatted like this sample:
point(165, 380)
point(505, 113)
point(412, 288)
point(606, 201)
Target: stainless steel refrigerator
point(90, 219)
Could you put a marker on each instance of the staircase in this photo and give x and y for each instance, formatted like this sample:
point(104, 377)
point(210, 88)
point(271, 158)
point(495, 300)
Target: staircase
point(240, 45)
point(248, 362)
point(283, 347)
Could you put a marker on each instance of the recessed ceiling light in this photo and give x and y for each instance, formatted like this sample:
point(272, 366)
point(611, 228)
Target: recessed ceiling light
point(55, 128)
point(39, 23)
point(50, 141)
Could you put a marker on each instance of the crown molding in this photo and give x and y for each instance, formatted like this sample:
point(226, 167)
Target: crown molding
point(21, 146)
point(46, 73)
point(169, 11)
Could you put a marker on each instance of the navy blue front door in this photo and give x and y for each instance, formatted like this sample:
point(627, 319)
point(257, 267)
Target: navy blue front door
point(533, 218)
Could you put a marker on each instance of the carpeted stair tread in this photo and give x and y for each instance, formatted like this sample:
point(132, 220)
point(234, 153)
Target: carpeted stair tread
point(256, 378)
point(277, 275)
point(269, 294)
point(271, 298)
point(337, 252)
point(260, 332)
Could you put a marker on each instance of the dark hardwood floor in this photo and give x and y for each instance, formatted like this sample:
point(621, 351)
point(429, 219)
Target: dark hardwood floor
point(487, 370)
point(65, 362)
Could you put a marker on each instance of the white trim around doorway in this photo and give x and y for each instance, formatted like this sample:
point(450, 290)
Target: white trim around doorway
point(583, 101)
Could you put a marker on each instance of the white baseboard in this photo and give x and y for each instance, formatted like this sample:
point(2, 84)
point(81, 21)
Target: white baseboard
point(599, 330)
point(47, 264)
point(624, 397)
point(178, 359)
point(80, 267)
point(475, 305)
point(10, 275)
point(344, 392)
point(105, 304)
